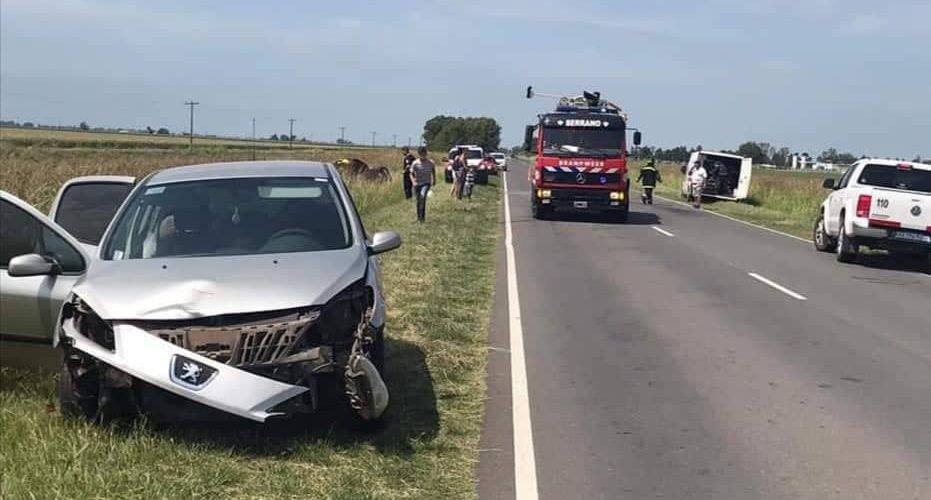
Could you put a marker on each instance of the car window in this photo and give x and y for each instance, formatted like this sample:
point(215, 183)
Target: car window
point(845, 179)
point(85, 209)
point(895, 177)
point(222, 217)
point(22, 233)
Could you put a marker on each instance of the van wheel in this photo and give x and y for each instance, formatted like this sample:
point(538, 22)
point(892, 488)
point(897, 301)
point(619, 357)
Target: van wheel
point(847, 247)
point(823, 242)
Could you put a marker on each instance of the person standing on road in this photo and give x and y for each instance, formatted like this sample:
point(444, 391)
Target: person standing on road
point(422, 176)
point(697, 179)
point(648, 178)
point(408, 160)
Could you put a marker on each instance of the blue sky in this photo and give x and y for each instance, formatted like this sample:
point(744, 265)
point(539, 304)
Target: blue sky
point(808, 74)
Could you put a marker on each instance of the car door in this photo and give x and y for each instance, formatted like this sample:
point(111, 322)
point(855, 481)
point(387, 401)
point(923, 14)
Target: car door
point(29, 305)
point(85, 206)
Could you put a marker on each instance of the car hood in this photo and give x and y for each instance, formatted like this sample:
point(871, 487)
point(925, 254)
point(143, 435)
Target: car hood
point(186, 288)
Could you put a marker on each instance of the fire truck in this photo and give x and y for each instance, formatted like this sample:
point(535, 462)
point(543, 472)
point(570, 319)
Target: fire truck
point(581, 157)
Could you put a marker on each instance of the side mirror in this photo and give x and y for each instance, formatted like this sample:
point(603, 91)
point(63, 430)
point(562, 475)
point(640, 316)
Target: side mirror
point(528, 138)
point(638, 137)
point(828, 184)
point(529, 92)
point(384, 241)
point(32, 264)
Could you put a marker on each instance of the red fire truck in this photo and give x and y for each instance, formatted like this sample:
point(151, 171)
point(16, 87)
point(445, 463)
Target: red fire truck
point(581, 162)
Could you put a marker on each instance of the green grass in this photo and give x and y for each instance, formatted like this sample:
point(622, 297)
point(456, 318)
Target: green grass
point(439, 288)
point(783, 200)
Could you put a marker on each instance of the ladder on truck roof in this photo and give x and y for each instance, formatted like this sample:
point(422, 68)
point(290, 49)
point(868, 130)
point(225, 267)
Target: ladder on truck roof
point(590, 101)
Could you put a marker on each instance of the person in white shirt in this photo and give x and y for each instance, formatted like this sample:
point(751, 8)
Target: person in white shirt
point(697, 179)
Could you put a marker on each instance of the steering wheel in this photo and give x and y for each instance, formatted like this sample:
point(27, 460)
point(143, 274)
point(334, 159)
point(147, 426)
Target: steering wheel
point(291, 231)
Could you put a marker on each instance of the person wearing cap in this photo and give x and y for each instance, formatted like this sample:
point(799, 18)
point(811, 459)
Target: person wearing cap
point(422, 176)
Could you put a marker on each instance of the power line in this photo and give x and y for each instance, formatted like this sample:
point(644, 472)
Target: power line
point(191, 104)
point(291, 131)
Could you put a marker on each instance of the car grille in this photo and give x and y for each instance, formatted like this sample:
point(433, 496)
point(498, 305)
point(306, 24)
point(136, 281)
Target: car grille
point(238, 345)
point(590, 178)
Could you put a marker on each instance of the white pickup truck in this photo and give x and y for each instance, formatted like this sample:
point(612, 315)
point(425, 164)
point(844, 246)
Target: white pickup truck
point(882, 204)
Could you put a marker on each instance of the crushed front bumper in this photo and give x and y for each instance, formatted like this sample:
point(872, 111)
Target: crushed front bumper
point(162, 364)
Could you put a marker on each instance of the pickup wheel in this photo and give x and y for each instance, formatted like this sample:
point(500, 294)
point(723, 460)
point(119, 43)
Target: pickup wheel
point(823, 242)
point(847, 246)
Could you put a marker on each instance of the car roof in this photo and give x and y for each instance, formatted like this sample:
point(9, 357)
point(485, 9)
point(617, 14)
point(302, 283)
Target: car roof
point(717, 153)
point(208, 171)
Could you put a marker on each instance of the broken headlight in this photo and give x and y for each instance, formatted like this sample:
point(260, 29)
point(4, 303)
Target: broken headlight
point(86, 322)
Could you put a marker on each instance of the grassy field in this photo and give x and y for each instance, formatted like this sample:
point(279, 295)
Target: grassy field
point(89, 139)
point(439, 288)
point(784, 200)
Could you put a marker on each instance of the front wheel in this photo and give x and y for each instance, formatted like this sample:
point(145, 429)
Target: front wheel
point(823, 242)
point(77, 396)
point(847, 247)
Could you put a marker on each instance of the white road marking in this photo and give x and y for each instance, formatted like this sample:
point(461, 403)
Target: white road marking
point(777, 286)
point(728, 217)
point(662, 231)
point(525, 466)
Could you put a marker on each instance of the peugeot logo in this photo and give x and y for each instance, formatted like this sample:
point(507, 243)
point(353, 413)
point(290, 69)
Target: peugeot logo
point(916, 210)
point(191, 374)
point(580, 178)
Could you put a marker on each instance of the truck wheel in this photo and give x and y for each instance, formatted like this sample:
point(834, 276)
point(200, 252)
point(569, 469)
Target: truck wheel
point(823, 242)
point(847, 247)
point(538, 211)
point(622, 215)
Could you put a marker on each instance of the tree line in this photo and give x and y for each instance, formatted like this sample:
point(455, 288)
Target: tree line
point(760, 152)
point(443, 132)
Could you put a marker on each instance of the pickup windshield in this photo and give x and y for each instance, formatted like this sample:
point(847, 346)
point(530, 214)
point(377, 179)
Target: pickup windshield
point(226, 217)
point(890, 176)
point(601, 142)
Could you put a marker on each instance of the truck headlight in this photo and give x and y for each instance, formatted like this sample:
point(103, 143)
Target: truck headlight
point(617, 195)
point(544, 193)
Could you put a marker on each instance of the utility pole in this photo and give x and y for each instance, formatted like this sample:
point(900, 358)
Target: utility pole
point(342, 134)
point(191, 104)
point(291, 131)
point(395, 140)
point(253, 138)
point(408, 141)
point(373, 138)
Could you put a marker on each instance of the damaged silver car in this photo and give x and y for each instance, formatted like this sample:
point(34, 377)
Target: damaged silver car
point(251, 288)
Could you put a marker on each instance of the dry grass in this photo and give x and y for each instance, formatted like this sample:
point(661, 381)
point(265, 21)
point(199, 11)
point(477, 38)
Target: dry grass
point(783, 200)
point(439, 288)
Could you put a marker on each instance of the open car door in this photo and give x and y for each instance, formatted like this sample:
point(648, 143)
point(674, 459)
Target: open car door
point(85, 206)
point(39, 264)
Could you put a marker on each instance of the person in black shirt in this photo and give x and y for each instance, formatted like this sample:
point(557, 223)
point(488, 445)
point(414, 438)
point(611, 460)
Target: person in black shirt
point(648, 177)
point(408, 161)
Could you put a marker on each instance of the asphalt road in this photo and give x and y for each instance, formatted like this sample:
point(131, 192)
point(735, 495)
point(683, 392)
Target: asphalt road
point(707, 360)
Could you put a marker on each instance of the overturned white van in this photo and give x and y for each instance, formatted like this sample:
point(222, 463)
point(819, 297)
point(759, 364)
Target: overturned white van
point(728, 175)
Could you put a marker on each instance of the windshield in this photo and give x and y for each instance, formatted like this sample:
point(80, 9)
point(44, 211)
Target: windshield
point(890, 176)
point(475, 154)
point(588, 141)
point(225, 217)
point(497, 155)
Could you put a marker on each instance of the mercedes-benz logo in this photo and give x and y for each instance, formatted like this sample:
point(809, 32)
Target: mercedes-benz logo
point(916, 210)
point(580, 178)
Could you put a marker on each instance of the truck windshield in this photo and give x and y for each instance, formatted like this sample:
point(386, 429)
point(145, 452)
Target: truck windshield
point(602, 142)
point(890, 176)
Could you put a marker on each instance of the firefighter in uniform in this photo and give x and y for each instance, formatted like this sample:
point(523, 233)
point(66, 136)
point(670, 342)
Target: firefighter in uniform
point(648, 178)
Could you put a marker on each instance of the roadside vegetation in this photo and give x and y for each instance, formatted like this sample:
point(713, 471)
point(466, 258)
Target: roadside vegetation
point(784, 200)
point(439, 288)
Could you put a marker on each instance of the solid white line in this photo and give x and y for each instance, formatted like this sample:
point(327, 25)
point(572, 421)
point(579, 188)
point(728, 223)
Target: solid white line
point(777, 286)
point(728, 217)
point(662, 231)
point(525, 466)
